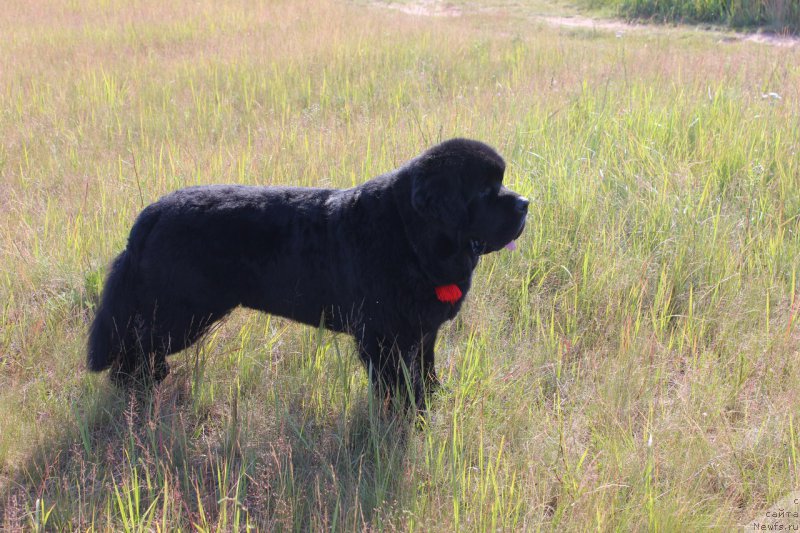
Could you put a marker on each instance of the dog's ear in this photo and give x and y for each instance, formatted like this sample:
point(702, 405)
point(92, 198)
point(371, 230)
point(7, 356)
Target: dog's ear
point(437, 196)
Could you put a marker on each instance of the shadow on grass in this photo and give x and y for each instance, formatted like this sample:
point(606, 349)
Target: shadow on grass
point(141, 460)
point(343, 471)
point(66, 461)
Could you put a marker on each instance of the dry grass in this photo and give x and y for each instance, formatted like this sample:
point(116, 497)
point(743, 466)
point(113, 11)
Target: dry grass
point(631, 367)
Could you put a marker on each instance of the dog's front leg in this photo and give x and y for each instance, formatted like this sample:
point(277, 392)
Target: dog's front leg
point(430, 380)
point(395, 369)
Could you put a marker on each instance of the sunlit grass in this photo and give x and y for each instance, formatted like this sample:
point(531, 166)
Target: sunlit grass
point(632, 366)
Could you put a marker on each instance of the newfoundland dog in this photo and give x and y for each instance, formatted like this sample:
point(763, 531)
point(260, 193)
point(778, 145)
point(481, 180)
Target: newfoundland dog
point(388, 262)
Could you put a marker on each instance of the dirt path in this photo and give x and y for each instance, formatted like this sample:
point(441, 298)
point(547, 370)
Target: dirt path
point(436, 8)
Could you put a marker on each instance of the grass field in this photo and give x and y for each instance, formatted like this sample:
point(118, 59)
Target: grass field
point(633, 366)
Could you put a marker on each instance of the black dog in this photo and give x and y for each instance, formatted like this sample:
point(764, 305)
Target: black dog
point(388, 262)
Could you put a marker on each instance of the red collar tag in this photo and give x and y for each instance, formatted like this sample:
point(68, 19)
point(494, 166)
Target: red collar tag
point(448, 293)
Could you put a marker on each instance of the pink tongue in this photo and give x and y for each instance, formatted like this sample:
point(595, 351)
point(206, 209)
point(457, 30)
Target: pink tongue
point(511, 246)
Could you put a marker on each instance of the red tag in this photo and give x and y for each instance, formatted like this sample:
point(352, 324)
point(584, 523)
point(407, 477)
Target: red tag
point(448, 293)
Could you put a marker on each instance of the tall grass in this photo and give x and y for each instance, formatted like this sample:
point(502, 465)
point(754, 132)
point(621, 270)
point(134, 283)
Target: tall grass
point(632, 366)
point(776, 15)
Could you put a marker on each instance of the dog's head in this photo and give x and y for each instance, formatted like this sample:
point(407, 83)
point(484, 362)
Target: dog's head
point(457, 186)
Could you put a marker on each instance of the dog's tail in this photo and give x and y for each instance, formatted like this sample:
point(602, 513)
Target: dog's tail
point(112, 325)
point(112, 320)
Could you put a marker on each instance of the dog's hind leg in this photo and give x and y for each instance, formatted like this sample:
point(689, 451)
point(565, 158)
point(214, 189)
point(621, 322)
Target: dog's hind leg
point(142, 357)
point(175, 330)
point(148, 341)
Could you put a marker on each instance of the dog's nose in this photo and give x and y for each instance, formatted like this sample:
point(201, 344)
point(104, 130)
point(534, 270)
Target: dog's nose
point(522, 204)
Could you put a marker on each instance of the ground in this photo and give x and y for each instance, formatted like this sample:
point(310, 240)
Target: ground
point(632, 366)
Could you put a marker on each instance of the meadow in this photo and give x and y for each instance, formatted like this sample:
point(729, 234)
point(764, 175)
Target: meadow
point(632, 366)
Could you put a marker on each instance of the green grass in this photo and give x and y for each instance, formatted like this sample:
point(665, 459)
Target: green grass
point(776, 15)
point(633, 366)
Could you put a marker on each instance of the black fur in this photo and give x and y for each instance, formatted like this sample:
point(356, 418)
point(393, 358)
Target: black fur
point(365, 261)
